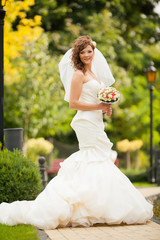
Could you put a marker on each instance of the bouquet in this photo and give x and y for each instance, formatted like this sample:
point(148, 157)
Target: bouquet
point(108, 95)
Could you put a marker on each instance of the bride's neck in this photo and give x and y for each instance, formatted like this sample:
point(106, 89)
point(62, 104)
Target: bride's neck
point(88, 68)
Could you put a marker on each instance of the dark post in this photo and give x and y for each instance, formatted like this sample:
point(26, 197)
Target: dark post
point(151, 76)
point(2, 15)
point(157, 161)
point(42, 169)
point(152, 179)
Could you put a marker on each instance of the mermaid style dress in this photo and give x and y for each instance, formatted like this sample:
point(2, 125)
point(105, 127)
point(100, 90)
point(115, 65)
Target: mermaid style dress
point(89, 188)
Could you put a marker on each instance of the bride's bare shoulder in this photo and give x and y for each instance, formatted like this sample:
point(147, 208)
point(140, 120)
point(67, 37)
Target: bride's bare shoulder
point(78, 76)
point(78, 73)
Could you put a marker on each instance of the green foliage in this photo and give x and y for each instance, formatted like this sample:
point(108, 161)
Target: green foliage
point(39, 146)
point(144, 184)
point(36, 147)
point(55, 12)
point(35, 102)
point(127, 34)
point(143, 160)
point(132, 171)
point(19, 177)
point(136, 175)
point(20, 232)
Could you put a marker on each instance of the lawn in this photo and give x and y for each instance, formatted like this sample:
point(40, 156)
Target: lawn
point(20, 232)
point(144, 184)
point(132, 171)
point(139, 177)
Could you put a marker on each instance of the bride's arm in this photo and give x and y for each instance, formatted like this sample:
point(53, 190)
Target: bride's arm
point(75, 92)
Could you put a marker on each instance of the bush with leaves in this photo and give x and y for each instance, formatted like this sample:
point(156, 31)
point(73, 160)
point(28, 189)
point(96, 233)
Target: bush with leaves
point(20, 178)
point(39, 146)
point(36, 147)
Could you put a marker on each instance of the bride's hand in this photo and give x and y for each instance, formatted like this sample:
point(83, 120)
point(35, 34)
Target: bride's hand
point(109, 111)
point(106, 108)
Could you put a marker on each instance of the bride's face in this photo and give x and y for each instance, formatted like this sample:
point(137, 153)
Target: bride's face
point(86, 55)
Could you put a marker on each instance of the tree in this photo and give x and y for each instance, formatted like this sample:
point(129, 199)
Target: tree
point(124, 146)
point(55, 12)
point(18, 34)
point(35, 102)
point(127, 147)
point(126, 33)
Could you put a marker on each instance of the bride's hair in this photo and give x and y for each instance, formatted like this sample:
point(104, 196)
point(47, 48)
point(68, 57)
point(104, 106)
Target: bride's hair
point(79, 44)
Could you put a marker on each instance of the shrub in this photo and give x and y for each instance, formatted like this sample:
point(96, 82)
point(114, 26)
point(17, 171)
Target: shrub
point(20, 178)
point(136, 175)
point(143, 160)
point(36, 147)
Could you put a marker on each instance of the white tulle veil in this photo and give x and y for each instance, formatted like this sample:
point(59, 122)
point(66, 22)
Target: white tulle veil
point(99, 67)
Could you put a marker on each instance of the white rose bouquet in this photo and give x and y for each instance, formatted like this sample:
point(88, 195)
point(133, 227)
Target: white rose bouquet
point(108, 95)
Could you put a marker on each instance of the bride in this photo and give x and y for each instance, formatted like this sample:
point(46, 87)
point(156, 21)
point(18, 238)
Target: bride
point(89, 188)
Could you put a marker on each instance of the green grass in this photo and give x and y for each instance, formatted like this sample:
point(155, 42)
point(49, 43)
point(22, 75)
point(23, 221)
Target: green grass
point(144, 184)
point(20, 232)
point(132, 171)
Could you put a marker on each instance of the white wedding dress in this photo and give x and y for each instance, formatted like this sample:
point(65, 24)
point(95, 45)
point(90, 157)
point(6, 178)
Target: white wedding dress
point(89, 188)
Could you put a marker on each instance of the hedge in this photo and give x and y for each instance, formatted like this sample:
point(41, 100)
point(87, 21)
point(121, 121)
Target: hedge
point(20, 178)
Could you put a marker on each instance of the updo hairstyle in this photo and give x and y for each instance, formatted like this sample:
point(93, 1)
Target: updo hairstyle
point(79, 44)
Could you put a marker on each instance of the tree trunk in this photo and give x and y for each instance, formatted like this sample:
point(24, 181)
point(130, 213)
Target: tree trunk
point(137, 159)
point(128, 159)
